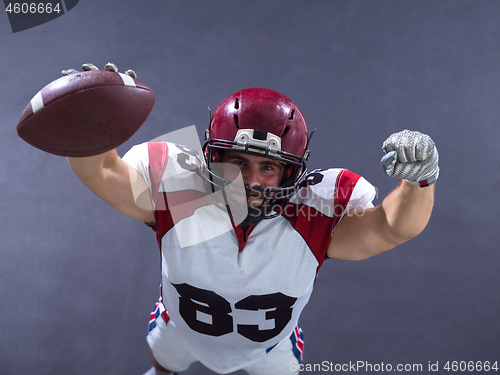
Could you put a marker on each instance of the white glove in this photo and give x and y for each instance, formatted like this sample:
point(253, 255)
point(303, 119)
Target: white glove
point(109, 66)
point(411, 155)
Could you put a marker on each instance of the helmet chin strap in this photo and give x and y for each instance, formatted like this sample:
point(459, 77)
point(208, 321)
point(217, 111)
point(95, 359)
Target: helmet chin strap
point(262, 212)
point(255, 214)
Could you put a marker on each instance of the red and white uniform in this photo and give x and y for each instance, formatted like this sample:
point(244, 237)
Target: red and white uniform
point(231, 297)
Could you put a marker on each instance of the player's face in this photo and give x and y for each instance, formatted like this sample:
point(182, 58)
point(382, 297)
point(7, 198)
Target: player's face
point(257, 171)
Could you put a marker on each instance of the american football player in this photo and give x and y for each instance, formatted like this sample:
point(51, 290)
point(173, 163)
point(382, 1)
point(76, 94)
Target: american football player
point(234, 285)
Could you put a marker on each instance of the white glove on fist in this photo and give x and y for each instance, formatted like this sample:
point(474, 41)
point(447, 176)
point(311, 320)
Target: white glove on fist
point(411, 155)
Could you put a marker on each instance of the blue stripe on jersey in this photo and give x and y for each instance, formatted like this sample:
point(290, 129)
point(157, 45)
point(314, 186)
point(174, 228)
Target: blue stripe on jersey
point(297, 338)
point(271, 348)
point(153, 316)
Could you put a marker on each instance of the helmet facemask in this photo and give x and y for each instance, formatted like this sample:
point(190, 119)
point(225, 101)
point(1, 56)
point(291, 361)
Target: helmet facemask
point(263, 144)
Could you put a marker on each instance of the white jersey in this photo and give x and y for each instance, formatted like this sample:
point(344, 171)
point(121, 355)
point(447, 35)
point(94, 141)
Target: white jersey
point(232, 296)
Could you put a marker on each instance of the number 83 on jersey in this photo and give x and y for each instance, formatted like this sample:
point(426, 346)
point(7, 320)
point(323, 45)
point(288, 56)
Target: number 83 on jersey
point(208, 313)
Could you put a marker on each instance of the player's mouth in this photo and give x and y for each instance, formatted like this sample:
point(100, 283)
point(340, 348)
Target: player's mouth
point(254, 199)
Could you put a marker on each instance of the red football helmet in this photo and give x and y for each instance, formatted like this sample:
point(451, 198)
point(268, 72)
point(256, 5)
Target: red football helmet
point(261, 122)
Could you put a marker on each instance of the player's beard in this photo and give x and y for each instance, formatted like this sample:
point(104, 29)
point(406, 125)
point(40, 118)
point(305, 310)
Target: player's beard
point(252, 207)
point(254, 200)
point(258, 207)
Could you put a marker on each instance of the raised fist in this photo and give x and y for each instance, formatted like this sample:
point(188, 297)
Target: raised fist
point(411, 155)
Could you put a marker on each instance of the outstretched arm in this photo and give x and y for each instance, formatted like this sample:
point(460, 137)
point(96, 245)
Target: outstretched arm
point(112, 179)
point(115, 181)
point(404, 213)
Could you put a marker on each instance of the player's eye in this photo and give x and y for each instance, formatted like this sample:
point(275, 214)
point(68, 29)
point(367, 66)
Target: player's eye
point(239, 163)
point(271, 167)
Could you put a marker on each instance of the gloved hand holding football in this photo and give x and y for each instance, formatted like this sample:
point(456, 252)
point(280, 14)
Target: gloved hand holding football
point(89, 67)
point(411, 155)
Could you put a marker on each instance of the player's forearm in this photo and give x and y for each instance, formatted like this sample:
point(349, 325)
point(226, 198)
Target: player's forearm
point(91, 170)
point(407, 210)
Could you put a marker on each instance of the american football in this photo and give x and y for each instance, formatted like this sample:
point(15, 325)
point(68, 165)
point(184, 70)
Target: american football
point(85, 113)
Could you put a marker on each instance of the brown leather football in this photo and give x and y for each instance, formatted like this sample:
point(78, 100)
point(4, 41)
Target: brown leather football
point(85, 114)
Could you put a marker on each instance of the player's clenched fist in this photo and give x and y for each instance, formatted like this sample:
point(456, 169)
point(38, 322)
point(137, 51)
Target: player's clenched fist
point(411, 155)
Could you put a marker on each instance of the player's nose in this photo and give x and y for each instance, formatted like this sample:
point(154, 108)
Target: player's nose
point(252, 178)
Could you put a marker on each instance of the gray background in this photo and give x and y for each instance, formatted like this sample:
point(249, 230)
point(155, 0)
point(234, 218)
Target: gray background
point(77, 279)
